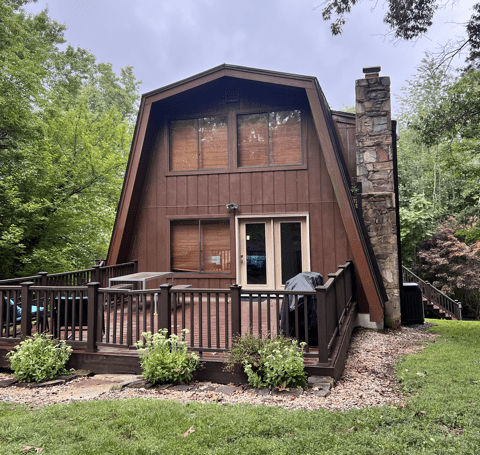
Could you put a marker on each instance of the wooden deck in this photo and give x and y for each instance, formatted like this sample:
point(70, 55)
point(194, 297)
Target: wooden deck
point(103, 325)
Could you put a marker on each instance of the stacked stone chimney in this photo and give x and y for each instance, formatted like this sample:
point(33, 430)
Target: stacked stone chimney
point(375, 171)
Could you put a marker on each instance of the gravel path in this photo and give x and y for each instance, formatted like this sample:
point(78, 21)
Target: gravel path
point(368, 380)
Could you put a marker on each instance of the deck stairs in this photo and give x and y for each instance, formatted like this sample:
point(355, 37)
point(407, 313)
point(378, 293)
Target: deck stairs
point(435, 301)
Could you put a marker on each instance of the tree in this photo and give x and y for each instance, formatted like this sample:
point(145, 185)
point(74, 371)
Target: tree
point(410, 19)
point(439, 173)
point(27, 46)
point(452, 265)
point(62, 168)
point(456, 115)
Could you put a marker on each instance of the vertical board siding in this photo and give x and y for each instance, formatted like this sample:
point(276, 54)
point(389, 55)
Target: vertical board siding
point(213, 194)
point(203, 194)
point(246, 192)
point(259, 192)
point(193, 189)
point(182, 196)
point(268, 190)
point(279, 191)
point(341, 242)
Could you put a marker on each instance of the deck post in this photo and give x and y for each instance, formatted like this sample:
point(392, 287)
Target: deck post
point(26, 321)
point(93, 326)
point(428, 291)
point(338, 298)
point(42, 278)
point(235, 290)
point(322, 325)
point(135, 266)
point(165, 310)
point(96, 274)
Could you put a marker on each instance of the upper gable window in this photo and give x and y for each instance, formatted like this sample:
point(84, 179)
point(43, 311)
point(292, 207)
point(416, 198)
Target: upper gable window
point(270, 139)
point(200, 143)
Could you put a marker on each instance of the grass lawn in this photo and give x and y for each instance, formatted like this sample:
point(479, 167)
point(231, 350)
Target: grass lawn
point(441, 415)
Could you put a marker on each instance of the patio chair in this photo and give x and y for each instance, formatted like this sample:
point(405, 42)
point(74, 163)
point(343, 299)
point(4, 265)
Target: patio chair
point(37, 313)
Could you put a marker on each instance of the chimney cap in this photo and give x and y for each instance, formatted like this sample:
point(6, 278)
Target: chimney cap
point(371, 70)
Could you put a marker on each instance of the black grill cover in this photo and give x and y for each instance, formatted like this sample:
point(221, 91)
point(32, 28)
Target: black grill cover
point(305, 281)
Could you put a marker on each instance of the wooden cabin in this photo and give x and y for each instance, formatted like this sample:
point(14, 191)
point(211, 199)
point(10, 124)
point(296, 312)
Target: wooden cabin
point(244, 176)
point(238, 179)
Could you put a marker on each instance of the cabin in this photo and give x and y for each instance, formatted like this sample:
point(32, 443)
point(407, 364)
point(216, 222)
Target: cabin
point(238, 180)
point(245, 176)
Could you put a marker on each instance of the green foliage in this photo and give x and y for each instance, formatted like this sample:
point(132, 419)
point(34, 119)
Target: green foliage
point(417, 224)
point(452, 265)
point(457, 113)
point(439, 416)
point(66, 123)
point(269, 362)
point(38, 358)
point(437, 178)
point(469, 235)
point(411, 19)
point(166, 360)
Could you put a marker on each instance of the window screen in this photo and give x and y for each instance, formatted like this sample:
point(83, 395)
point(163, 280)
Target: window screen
point(272, 139)
point(199, 144)
point(200, 246)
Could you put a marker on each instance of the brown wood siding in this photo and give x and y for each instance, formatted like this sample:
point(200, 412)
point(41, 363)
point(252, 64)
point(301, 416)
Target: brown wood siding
point(265, 191)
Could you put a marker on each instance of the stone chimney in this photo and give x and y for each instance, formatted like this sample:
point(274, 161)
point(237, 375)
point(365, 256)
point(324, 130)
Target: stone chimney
point(375, 172)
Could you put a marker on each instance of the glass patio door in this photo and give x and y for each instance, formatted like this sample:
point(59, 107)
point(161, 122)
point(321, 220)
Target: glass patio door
point(272, 250)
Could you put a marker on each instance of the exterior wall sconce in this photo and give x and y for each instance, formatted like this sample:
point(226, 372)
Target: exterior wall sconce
point(232, 206)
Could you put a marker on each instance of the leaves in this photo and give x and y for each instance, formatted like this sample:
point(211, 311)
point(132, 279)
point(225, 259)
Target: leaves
point(452, 265)
point(166, 360)
point(28, 448)
point(189, 431)
point(38, 358)
point(66, 124)
point(411, 19)
point(438, 177)
point(269, 362)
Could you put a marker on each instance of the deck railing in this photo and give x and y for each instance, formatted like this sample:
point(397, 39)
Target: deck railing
point(434, 295)
point(96, 273)
point(92, 316)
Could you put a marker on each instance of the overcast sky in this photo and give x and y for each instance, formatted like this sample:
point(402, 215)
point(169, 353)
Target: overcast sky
point(166, 41)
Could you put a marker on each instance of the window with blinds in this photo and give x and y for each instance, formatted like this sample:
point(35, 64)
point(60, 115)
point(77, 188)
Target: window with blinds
point(200, 246)
point(200, 143)
point(269, 139)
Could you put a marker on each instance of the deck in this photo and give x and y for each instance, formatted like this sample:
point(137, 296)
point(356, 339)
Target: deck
point(102, 324)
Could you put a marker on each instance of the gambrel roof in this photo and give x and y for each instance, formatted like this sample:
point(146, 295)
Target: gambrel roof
point(329, 143)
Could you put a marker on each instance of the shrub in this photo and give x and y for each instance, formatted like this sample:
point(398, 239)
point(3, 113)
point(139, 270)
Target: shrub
point(452, 265)
point(38, 358)
point(269, 362)
point(166, 360)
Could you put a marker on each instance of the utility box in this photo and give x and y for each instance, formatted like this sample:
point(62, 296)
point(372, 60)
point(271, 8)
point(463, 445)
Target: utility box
point(412, 304)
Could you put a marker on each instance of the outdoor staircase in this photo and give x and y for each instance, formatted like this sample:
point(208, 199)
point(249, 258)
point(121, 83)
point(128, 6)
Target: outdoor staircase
point(434, 300)
point(438, 312)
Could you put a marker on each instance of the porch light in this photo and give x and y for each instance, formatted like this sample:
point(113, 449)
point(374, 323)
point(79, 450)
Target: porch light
point(231, 206)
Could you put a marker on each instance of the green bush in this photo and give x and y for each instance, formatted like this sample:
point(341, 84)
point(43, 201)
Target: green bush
point(269, 362)
point(166, 360)
point(38, 358)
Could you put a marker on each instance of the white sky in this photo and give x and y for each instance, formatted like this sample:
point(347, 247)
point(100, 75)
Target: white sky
point(166, 41)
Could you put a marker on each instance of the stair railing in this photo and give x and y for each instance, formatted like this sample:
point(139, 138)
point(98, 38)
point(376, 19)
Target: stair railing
point(434, 295)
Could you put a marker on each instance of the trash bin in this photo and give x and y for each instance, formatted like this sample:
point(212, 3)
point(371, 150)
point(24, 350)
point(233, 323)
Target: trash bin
point(412, 304)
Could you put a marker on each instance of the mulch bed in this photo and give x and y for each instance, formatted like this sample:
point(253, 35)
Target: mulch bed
point(368, 380)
